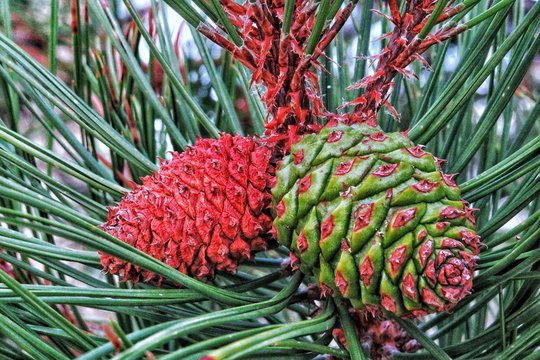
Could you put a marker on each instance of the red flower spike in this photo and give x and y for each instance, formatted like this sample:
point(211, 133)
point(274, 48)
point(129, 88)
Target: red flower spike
point(404, 46)
point(279, 60)
point(206, 209)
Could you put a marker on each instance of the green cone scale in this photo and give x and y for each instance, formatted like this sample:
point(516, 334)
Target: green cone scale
point(374, 220)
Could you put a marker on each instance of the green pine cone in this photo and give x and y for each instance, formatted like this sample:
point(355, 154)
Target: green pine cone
point(374, 220)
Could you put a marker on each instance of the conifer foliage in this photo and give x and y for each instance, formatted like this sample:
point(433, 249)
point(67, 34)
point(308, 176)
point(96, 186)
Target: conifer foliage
point(271, 188)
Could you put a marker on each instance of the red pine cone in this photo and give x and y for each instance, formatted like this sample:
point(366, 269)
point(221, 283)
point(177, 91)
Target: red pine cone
point(207, 209)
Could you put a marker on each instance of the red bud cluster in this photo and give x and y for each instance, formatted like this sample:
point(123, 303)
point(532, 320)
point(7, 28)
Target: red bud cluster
point(404, 46)
point(279, 60)
point(382, 338)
